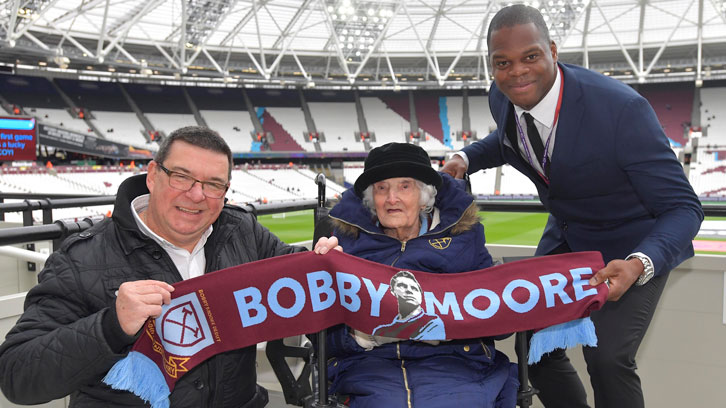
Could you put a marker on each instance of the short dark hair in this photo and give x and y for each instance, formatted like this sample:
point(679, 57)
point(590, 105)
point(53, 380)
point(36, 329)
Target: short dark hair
point(196, 136)
point(403, 274)
point(515, 15)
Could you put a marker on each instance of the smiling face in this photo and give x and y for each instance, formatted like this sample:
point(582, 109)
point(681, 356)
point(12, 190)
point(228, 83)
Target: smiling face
point(181, 217)
point(523, 63)
point(397, 206)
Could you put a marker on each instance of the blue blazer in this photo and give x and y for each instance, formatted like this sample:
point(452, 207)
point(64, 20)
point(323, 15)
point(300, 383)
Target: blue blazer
point(616, 185)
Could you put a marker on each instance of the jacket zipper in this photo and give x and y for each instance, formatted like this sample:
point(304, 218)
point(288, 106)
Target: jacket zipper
point(405, 376)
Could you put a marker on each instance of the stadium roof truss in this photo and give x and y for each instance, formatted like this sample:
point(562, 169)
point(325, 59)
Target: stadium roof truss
point(343, 43)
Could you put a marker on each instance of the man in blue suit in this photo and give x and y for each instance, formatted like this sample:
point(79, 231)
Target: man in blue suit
point(605, 171)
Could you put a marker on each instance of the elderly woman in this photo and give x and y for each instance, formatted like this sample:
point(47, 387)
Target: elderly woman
point(403, 213)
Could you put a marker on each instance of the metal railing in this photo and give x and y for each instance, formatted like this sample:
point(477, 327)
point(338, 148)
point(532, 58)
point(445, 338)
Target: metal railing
point(58, 230)
point(711, 210)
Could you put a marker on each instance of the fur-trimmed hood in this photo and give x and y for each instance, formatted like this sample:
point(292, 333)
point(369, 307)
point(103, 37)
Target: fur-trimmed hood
point(457, 211)
point(469, 218)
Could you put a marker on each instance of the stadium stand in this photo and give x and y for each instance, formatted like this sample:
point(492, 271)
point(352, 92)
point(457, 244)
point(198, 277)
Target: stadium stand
point(429, 115)
point(234, 126)
point(248, 182)
point(122, 127)
point(483, 182)
point(672, 103)
point(94, 95)
point(515, 183)
point(338, 120)
point(66, 180)
point(713, 115)
point(351, 172)
point(153, 98)
point(481, 118)
point(283, 140)
point(60, 118)
point(454, 113)
point(27, 92)
point(293, 121)
point(168, 122)
point(708, 176)
point(332, 188)
point(388, 126)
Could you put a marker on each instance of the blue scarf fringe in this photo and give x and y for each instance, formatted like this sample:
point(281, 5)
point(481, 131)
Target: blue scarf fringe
point(564, 335)
point(138, 374)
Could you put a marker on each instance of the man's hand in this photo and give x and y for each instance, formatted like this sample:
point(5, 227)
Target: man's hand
point(620, 274)
point(138, 300)
point(455, 167)
point(325, 244)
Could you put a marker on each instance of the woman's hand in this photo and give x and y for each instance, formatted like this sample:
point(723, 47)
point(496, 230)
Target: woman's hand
point(325, 244)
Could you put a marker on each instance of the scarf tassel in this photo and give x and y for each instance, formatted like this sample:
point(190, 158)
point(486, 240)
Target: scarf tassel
point(565, 335)
point(140, 375)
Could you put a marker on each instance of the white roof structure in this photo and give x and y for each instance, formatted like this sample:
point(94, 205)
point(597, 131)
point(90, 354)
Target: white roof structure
point(365, 43)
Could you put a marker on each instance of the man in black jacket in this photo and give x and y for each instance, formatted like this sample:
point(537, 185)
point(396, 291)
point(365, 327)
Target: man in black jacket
point(98, 289)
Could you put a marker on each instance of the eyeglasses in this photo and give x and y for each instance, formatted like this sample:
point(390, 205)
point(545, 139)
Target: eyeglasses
point(182, 182)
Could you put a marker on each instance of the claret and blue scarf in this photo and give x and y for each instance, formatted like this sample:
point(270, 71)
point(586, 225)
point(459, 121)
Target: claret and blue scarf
point(304, 293)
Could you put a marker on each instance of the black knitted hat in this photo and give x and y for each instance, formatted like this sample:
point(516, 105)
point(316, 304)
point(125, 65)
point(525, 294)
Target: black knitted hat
point(397, 160)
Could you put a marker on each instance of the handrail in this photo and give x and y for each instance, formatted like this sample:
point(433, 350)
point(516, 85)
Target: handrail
point(44, 204)
point(29, 196)
point(61, 228)
point(710, 210)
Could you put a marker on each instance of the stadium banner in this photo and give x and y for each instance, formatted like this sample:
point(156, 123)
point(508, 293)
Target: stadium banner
point(306, 292)
point(17, 138)
point(86, 144)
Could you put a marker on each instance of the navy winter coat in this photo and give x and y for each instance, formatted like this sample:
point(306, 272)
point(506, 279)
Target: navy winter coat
point(464, 373)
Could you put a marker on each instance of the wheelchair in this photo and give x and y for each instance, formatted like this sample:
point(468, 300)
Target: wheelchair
point(309, 389)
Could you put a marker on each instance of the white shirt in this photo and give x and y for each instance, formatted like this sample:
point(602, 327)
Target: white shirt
point(190, 265)
point(544, 116)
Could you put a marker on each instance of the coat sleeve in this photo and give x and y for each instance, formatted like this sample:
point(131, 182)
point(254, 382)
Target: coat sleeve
point(659, 181)
point(57, 345)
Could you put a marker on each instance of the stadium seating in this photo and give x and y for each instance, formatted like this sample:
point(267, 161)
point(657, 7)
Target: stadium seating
point(293, 121)
point(387, 114)
point(387, 125)
point(713, 115)
point(234, 126)
point(481, 118)
point(122, 127)
point(483, 182)
point(339, 121)
point(60, 118)
point(672, 104)
point(515, 183)
point(283, 141)
point(169, 122)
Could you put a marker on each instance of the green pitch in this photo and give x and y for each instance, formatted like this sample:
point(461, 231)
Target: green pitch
point(290, 227)
point(500, 228)
point(508, 228)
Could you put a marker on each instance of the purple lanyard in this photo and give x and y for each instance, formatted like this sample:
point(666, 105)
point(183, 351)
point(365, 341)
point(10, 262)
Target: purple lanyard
point(545, 156)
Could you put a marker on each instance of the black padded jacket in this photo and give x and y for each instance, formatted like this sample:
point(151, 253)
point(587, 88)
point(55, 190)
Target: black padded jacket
point(69, 337)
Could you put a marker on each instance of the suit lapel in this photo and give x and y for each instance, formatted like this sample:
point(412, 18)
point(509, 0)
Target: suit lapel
point(568, 125)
